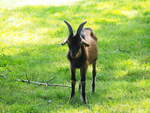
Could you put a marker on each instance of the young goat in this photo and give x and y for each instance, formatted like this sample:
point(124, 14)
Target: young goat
point(82, 52)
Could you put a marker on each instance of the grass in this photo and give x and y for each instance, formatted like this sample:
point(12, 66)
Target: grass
point(29, 41)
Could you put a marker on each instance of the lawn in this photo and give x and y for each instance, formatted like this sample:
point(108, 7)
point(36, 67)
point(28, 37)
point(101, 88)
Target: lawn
point(29, 46)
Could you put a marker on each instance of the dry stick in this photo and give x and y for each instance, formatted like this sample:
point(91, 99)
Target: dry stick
point(40, 83)
point(52, 78)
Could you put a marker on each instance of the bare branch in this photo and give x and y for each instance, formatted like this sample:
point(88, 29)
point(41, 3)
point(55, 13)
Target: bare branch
point(41, 83)
point(52, 78)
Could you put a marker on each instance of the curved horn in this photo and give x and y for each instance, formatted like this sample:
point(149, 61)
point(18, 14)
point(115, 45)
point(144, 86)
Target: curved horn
point(69, 28)
point(80, 27)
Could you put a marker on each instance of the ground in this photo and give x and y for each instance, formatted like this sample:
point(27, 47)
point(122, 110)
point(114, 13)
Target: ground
point(30, 35)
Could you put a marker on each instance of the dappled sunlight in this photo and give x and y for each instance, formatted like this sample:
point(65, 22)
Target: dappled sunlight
point(19, 3)
point(124, 13)
point(18, 21)
point(109, 20)
point(143, 83)
point(30, 37)
point(131, 106)
point(15, 39)
point(25, 36)
point(130, 67)
point(73, 110)
point(99, 108)
point(45, 2)
point(131, 64)
point(11, 51)
point(105, 5)
point(129, 14)
point(93, 26)
point(121, 73)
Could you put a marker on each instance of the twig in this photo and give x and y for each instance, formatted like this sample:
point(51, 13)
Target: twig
point(27, 78)
point(52, 78)
point(41, 83)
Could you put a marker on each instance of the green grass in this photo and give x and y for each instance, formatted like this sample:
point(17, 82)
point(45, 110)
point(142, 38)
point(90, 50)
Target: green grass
point(29, 38)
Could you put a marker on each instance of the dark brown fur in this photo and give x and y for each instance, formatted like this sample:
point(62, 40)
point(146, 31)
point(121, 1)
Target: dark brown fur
point(82, 52)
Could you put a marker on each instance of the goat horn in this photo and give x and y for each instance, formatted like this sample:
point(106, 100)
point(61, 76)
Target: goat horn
point(69, 28)
point(80, 27)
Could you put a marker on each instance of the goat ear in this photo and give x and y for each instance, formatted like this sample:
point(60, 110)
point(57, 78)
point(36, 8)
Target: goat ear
point(65, 41)
point(83, 42)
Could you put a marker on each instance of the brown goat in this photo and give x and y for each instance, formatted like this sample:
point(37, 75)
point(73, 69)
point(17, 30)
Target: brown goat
point(82, 52)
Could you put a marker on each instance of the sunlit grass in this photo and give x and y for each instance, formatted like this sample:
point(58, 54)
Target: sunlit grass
point(9, 4)
point(29, 45)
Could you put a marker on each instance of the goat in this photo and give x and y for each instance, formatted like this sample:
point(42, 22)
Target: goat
point(82, 52)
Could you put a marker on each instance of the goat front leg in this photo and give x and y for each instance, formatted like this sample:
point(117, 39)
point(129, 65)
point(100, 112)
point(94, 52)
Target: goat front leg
point(73, 82)
point(83, 83)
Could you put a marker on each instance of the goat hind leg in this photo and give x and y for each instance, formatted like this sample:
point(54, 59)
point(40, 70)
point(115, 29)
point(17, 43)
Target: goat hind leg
point(94, 76)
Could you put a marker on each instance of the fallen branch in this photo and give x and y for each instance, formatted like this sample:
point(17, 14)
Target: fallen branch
point(52, 78)
point(41, 83)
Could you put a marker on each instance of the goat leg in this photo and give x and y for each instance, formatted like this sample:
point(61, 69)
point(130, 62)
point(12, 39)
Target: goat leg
point(94, 75)
point(73, 82)
point(83, 83)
